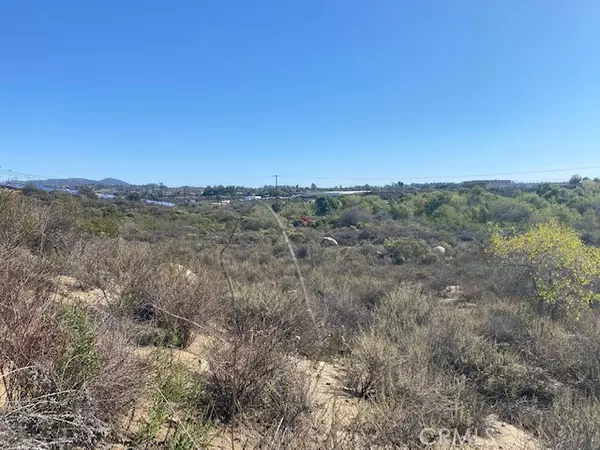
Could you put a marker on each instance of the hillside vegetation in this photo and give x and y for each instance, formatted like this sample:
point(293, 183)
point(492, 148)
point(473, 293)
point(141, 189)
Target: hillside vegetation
point(126, 325)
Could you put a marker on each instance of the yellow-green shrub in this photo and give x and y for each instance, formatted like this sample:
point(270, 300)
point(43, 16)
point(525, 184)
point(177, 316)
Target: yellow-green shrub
point(564, 270)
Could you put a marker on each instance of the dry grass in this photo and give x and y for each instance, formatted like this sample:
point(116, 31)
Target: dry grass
point(74, 371)
point(268, 389)
point(65, 380)
point(392, 367)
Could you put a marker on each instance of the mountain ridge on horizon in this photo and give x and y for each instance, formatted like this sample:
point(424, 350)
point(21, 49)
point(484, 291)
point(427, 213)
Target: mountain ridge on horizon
point(75, 182)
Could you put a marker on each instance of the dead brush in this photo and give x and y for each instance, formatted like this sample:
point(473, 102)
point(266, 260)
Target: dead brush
point(391, 368)
point(499, 374)
point(88, 261)
point(394, 344)
point(268, 310)
point(568, 352)
point(66, 384)
point(149, 285)
point(419, 400)
point(254, 378)
point(267, 385)
point(371, 369)
point(27, 222)
point(177, 300)
point(115, 265)
point(28, 336)
point(572, 423)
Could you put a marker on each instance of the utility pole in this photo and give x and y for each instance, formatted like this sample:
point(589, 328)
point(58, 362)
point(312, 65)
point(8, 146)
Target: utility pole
point(276, 192)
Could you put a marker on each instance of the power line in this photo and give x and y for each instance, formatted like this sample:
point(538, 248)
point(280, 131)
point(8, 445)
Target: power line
point(498, 174)
point(30, 176)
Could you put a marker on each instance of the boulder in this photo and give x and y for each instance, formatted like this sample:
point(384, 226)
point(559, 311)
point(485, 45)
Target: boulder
point(439, 250)
point(181, 271)
point(452, 292)
point(330, 241)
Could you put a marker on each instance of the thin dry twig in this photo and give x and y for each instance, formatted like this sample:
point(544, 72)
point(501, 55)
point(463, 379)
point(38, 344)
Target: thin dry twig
point(234, 319)
point(297, 267)
point(196, 324)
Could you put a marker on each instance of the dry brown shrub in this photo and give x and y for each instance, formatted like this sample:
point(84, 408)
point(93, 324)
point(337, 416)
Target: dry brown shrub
point(161, 284)
point(498, 373)
point(422, 400)
point(391, 366)
point(66, 382)
point(254, 380)
point(572, 423)
point(26, 222)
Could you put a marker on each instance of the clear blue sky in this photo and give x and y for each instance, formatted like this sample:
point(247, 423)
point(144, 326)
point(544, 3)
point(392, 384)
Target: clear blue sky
point(206, 92)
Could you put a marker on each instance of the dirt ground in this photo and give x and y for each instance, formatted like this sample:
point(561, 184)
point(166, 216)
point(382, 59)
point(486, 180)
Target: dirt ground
point(334, 410)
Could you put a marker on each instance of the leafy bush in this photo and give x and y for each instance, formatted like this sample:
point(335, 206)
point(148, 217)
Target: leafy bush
point(79, 361)
point(565, 271)
point(404, 250)
point(176, 391)
point(400, 211)
point(325, 205)
point(102, 226)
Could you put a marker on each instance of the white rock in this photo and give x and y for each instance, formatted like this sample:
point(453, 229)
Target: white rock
point(439, 250)
point(330, 241)
point(452, 291)
point(179, 270)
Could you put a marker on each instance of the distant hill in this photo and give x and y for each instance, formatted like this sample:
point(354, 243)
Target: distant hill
point(76, 182)
point(112, 182)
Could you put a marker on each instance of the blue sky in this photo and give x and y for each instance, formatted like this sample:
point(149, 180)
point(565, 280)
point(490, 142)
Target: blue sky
point(231, 92)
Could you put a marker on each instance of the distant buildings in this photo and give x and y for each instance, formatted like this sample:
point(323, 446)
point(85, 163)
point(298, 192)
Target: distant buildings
point(490, 184)
point(498, 184)
point(106, 196)
point(159, 203)
point(315, 194)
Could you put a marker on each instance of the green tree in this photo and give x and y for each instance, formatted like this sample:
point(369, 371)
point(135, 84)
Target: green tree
point(509, 210)
point(87, 191)
point(590, 185)
point(400, 211)
point(324, 205)
point(575, 179)
point(436, 200)
point(552, 192)
point(133, 197)
point(354, 216)
point(31, 190)
point(373, 203)
point(565, 271)
point(448, 214)
point(103, 226)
